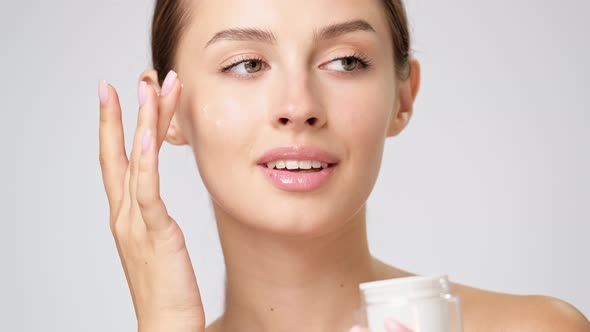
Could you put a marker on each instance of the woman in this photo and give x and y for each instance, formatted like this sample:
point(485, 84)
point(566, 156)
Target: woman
point(286, 106)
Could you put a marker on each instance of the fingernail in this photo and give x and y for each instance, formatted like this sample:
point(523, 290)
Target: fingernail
point(168, 83)
point(146, 140)
point(356, 328)
point(103, 91)
point(142, 92)
point(393, 326)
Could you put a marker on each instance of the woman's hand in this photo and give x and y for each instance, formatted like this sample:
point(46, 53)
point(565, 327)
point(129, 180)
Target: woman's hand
point(150, 244)
point(390, 326)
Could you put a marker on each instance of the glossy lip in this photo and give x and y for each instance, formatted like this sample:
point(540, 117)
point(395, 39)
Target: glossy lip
point(297, 152)
point(298, 181)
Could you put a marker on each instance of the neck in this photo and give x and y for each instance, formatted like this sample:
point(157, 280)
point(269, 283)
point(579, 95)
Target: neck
point(285, 283)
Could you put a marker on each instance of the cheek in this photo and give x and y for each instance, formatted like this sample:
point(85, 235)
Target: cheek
point(361, 118)
point(223, 121)
point(223, 132)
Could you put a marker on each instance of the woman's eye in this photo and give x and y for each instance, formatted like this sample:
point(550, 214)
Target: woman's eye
point(252, 66)
point(246, 67)
point(347, 64)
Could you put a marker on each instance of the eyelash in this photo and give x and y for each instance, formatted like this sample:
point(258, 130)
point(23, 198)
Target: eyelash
point(242, 59)
point(364, 63)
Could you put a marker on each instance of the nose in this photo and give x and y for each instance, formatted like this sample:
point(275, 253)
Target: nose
point(299, 107)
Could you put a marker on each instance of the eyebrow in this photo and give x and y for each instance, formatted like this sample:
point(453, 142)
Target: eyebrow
point(255, 34)
point(338, 29)
point(243, 34)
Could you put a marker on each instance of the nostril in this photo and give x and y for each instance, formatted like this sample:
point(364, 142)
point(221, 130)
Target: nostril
point(311, 121)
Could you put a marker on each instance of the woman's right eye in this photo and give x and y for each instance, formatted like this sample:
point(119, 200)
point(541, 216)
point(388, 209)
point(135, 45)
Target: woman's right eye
point(245, 67)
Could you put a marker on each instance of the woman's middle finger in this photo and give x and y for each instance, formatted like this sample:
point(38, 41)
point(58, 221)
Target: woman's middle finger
point(154, 114)
point(169, 95)
point(146, 120)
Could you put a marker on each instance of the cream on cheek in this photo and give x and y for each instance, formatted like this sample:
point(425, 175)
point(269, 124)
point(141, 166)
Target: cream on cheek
point(226, 117)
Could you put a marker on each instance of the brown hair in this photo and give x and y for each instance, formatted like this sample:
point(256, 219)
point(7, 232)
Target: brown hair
point(171, 18)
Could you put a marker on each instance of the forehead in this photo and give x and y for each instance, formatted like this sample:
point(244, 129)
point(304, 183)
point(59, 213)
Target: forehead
point(287, 19)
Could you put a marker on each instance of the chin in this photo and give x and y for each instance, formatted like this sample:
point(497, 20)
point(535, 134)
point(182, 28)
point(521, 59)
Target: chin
point(292, 215)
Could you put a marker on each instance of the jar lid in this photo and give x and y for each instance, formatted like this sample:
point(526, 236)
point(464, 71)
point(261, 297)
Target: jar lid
point(406, 288)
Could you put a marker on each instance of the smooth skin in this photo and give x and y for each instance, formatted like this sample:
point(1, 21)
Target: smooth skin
point(293, 262)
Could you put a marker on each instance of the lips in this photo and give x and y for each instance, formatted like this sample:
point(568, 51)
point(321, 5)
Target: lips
point(298, 152)
point(298, 181)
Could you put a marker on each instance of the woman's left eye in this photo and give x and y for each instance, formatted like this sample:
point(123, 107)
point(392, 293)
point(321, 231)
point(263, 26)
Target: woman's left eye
point(347, 64)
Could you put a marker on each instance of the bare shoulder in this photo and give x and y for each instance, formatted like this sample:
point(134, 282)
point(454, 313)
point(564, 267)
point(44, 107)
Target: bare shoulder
point(491, 311)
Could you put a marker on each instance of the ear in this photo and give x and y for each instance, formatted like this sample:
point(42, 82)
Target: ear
point(174, 135)
point(406, 94)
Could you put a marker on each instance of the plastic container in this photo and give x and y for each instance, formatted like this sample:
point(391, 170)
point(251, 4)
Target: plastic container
point(421, 303)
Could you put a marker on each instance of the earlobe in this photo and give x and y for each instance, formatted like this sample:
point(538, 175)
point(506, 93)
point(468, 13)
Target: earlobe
point(406, 94)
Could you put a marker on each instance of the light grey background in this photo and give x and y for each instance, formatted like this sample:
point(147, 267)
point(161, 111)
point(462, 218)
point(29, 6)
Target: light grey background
point(489, 183)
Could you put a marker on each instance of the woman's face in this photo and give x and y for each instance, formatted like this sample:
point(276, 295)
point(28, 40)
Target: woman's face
point(266, 74)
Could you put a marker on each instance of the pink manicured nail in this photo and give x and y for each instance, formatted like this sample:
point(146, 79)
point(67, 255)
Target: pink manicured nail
point(103, 91)
point(142, 92)
point(356, 328)
point(146, 140)
point(393, 326)
point(168, 83)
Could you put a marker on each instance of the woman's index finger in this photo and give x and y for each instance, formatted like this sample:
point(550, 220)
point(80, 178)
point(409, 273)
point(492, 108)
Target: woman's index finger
point(112, 155)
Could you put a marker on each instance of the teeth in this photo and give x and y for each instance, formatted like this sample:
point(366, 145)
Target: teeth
point(292, 164)
point(296, 164)
point(305, 164)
